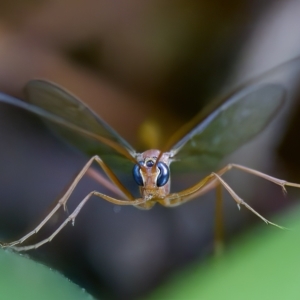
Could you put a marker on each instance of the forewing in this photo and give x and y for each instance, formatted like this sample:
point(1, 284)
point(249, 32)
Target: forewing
point(232, 124)
point(111, 147)
point(62, 104)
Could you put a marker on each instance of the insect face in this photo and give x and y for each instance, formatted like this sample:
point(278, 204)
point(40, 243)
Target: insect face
point(151, 175)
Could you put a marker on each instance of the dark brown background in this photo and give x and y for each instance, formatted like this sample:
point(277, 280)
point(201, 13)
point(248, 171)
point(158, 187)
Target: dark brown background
point(136, 62)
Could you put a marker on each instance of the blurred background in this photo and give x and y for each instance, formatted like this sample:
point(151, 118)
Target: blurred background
point(146, 67)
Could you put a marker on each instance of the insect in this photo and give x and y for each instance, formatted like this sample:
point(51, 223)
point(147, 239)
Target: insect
point(210, 136)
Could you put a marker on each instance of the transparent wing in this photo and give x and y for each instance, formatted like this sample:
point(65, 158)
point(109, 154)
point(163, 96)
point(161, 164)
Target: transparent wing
point(73, 120)
point(59, 102)
point(227, 127)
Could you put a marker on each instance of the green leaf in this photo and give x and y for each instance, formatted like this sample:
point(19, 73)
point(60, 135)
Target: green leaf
point(22, 278)
point(261, 264)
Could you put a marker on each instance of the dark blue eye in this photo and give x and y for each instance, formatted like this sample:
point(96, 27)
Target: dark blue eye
point(150, 163)
point(137, 175)
point(164, 174)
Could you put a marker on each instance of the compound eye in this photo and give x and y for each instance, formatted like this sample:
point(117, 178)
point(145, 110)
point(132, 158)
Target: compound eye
point(164, 174)
point(136, 172)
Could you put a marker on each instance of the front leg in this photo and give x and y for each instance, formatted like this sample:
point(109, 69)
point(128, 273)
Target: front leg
point(71, 218)
point(63, 200)
point(213, 179)
point(193, 192)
